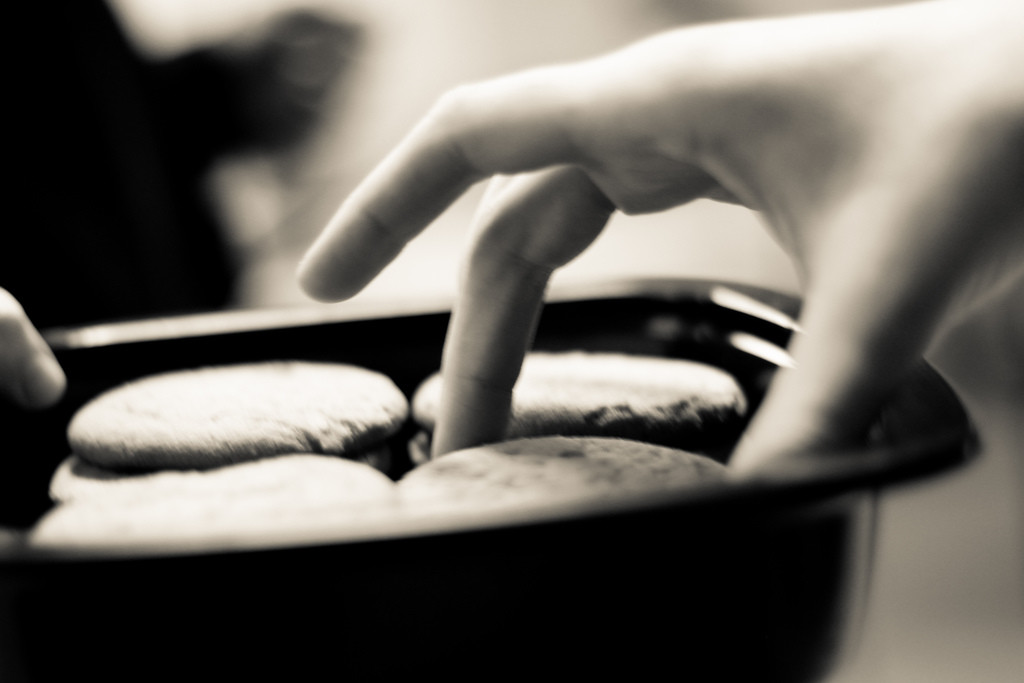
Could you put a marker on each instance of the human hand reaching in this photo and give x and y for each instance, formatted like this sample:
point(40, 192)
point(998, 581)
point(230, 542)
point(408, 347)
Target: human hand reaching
point(884, 149)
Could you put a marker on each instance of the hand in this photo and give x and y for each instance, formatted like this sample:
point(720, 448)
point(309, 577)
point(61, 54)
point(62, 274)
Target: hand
point(29, 373)
point(884, 149)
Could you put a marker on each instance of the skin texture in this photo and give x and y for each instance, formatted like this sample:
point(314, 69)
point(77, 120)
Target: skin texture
point(29, 373)
point(885, 158)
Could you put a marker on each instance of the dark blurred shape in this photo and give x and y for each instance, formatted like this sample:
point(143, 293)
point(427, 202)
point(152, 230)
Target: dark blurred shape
point(284, 73)
point(108, 213)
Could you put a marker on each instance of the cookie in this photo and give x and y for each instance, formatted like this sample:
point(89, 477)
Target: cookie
point(672, 402)
point(311, 477)
point(237, 504)
point(552, 470)
point(214, 416)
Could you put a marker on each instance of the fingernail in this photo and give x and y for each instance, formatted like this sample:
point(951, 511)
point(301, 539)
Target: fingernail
point(43, 382)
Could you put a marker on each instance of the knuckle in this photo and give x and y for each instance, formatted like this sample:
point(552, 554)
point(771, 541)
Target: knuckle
point(455, 108)
point(449, 125)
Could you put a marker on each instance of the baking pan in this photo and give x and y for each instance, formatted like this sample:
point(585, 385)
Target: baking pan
point(760, 580)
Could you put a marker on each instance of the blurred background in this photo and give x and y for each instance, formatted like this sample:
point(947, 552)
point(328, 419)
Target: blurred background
point(400, 58)
point(324, 89)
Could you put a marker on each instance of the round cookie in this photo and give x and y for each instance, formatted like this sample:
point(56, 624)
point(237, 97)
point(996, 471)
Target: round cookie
point(305, 476)
point(243, 503)
point(672, 402)
point(552, 470)
point(213, 416)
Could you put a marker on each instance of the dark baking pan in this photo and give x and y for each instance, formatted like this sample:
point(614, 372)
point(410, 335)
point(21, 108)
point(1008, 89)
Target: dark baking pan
point(757, 581)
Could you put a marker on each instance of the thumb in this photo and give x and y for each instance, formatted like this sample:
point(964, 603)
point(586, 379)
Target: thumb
point(29, 373)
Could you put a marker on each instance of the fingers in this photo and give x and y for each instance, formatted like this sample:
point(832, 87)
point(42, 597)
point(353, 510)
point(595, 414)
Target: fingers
point(529, 226)
point(508, 125)
point(29, 373)
point(897, 263)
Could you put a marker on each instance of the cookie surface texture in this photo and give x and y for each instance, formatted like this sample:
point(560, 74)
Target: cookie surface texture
point(239, 503)
point(301, 476)
point(212, 416)
point(554, 469)
point(673, 402)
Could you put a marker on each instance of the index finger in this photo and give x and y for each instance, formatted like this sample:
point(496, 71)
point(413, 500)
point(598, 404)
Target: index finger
point(508, 125)
point(535, 224)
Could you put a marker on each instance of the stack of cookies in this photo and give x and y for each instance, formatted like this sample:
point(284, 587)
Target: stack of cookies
point(224, 455)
